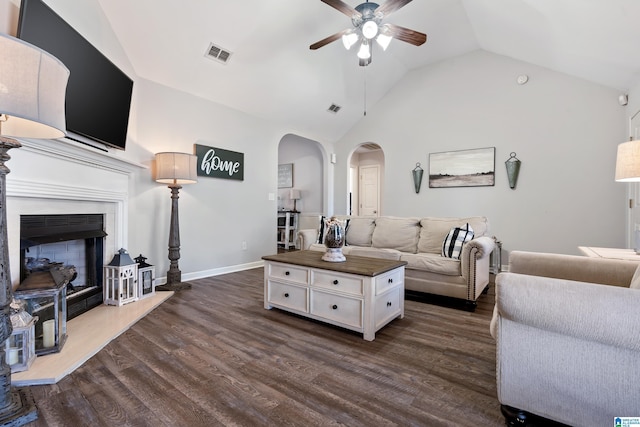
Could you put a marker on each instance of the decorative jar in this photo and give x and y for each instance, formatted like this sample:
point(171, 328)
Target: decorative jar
point(334, 240)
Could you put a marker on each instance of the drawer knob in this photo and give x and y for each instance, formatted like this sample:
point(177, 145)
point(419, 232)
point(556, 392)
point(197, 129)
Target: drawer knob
point(335, 282)
point(388, 303)
point(286, 273)
point(286, 295)
point(390, 280)
point(335, 307)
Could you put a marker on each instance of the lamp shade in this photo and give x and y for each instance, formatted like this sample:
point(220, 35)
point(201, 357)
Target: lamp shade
point(294, 194)
point(32, 90)
point(176, 168)
point(628, 161)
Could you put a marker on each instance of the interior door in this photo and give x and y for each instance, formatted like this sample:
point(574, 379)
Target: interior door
point(369, 190)
point(634, 189)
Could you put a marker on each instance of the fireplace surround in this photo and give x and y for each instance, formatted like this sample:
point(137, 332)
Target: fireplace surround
point(71, 241)
point(59, 177)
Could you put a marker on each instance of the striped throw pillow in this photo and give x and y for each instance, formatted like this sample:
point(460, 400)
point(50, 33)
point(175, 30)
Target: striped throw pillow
point(457, 237)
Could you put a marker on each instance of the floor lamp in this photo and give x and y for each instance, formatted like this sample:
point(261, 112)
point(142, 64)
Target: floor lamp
point(32, 96)
point(175, 169)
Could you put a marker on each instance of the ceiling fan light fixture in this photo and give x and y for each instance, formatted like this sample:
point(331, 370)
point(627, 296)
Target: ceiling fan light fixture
point(369, 29)
point(383, 40)
point(349, 39)
point(365, 50)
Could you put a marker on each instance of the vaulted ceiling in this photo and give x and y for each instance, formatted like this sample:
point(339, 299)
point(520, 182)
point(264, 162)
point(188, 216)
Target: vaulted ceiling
point(273, 74)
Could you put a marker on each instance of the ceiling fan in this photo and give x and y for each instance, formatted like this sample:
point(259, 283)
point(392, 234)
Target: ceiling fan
point(367, 26)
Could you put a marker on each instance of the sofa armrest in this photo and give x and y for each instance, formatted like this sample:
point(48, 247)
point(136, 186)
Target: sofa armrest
point(588, 311)
point(572, 267)
point(476, 249)
point(306, 238)
point(483, 245)
point(474, 265)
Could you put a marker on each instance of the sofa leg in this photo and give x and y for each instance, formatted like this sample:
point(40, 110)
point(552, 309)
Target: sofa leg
point(470, 305)
point(515, 417)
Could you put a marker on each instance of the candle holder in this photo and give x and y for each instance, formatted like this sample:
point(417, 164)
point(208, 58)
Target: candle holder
point(120, 280)
point(146, 277)
point(45, 297)
point(20, 346)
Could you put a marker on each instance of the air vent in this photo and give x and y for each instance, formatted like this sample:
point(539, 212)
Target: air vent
point(371, 146)
point(333, 108)
point(218, 54)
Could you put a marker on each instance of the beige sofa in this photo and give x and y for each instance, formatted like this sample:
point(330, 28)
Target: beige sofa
point(567, 332)
point(419, 242)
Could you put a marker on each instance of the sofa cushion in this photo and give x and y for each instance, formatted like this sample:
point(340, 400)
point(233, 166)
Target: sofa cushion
point(434, 230)
point(360, 231)
point(433, 263)
point(375, 252)
point(396, 233)
point(457, 237)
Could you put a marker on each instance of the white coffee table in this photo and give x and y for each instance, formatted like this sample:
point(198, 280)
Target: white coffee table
point(362, 294)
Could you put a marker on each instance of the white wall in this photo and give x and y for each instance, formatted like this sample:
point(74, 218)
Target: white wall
point(564, 130)
point(308, 173)
point(216, 215)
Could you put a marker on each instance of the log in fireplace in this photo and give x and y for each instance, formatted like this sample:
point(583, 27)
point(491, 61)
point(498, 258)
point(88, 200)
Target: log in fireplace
point(72, 240)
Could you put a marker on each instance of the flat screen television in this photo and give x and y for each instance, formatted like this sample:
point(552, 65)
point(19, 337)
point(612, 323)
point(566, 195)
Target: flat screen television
point(98, 93)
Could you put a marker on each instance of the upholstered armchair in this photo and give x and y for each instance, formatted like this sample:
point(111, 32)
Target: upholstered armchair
point(567, 331)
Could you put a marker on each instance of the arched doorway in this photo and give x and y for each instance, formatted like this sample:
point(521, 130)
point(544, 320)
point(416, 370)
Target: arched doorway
point(366, 180)
point(302, 196)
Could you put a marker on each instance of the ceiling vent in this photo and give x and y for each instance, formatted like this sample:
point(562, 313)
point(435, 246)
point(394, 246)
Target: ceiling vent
point(218, 54)
point(333, 108)
point(370, 146)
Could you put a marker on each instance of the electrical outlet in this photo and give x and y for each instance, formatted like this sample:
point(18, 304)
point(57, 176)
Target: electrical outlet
point(244, 246)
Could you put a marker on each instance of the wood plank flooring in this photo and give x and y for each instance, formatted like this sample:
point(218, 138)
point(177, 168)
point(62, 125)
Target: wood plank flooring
point(213, 356)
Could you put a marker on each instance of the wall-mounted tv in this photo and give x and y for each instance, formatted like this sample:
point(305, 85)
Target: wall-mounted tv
point(98, 93)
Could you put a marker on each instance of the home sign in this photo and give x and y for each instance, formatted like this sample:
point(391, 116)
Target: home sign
point(219, 163)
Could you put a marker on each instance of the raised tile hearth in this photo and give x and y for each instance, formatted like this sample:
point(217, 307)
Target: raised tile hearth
point(87, 334)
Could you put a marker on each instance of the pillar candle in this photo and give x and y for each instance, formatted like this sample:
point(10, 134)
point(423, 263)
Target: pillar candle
point(48, 333)
point(12, 356)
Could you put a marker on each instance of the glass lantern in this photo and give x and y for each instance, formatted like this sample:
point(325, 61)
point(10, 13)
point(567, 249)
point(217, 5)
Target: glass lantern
point(146, 276)
point(120, 280)
point(20, 346)
point(45, 296)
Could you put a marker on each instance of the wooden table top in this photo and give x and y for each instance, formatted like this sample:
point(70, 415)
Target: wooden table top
point(363, 266)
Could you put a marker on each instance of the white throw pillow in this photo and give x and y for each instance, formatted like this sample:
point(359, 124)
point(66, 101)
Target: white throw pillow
point(457, 237)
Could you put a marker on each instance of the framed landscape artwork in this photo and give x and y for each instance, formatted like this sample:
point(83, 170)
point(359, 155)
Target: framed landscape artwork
point(466, 168)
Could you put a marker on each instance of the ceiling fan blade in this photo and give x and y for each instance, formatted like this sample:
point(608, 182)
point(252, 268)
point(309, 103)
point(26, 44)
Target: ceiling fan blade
point(342, 7)
point(391, 6)
point(406, 35)
point(327, 40)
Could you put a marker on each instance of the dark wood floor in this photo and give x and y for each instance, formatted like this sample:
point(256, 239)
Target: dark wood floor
point(212, 355)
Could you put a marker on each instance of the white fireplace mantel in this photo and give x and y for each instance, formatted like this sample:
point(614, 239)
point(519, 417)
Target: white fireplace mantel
point(63, 177)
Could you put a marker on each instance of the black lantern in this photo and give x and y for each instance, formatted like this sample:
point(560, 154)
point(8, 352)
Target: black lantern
point(146, 277)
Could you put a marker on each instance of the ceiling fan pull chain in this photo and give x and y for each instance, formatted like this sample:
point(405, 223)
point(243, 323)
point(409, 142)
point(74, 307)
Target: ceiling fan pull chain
point(365, 90)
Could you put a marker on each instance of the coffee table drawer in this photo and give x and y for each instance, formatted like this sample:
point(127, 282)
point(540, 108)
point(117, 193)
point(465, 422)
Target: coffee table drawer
point(289, 273)
point(337, 282)
point(389, 280)
point(289, 296)
point(387, 307)
point(337, 308)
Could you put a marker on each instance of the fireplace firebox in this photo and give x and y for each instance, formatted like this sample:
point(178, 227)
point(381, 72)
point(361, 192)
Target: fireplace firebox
point(75, 241)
